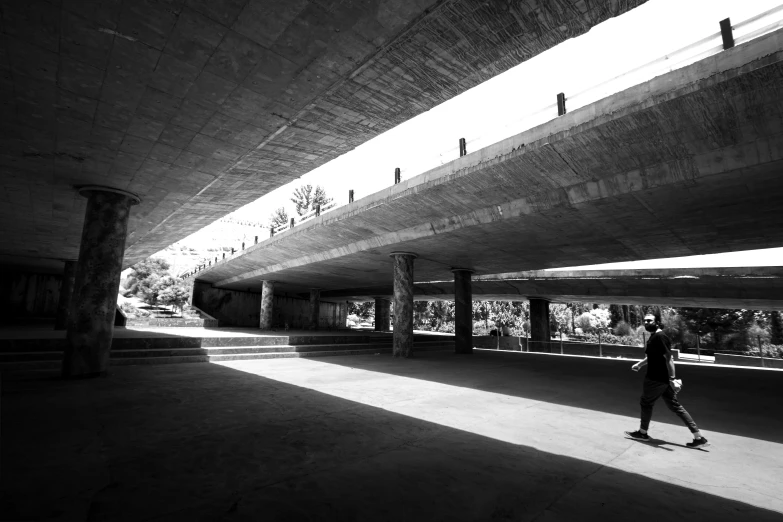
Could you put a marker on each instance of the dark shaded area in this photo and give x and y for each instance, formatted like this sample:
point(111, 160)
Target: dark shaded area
point(205, 442)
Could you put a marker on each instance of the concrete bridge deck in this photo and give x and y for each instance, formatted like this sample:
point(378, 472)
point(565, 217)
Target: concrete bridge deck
point(687, 163)
point(201, 107)
point(492, 436)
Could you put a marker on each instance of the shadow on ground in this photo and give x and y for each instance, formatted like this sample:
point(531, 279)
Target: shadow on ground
point(205, 442)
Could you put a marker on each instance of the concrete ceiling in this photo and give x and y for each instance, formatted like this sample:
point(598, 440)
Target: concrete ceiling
point(688, 163)
point(755, 288)
point(202, 106)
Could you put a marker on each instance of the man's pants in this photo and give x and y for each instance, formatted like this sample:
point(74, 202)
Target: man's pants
point(651, 392)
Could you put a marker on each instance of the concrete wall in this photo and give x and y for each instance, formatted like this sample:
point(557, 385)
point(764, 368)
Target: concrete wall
point(744, 360)
point(235, 308)
point(25, 294)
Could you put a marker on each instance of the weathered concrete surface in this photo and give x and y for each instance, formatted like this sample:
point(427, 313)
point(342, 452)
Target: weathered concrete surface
point(235, 308)
point(94, 300)
point(382, 315)
point(493, 436)
point(463, 312)
point(687, 163)
point(752, 288)
point(66, 292)
point(24, 294)
point(403, 303)
point(315, 304)
point(540, 329)
point(201, 107)
point(267, 308)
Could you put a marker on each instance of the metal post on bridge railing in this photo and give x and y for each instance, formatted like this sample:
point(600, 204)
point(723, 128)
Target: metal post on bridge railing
point(350, 196)
point(317, 210)
point(600, 346)
point(256, 242)
point(243, 245)
point(561, 342)
point(761, 352)
point(727, 34)
point(397, 176)
point(527, 341)
point(463, 147)
point(698, 347)
point(561, 107)
point(292, 222)
point(271, 231)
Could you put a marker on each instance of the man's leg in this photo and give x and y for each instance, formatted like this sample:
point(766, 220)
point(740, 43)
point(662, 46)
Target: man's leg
point(670, 398)
point(651, 390)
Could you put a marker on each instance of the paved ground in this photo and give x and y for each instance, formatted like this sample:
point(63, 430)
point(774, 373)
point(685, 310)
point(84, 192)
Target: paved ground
point(492, 436)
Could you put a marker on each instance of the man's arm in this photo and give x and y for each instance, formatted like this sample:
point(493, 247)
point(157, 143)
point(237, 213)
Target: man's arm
point(641, 364)
point(670, 365)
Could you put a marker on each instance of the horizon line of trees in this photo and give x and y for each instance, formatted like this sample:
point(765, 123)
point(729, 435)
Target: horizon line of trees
point(725, 329)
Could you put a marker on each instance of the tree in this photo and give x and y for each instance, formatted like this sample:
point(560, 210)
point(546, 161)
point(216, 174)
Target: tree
point(716, 321)
point(151, 265)
point(278, 218)
point(616, 313)
point(776, 328)
point(363, 310)
point(320, 198)
point(175, 295)
point(303, 197)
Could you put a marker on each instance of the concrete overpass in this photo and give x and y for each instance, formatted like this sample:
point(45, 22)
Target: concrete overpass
point(753, 288)
point(687, 163)
point(169, 115)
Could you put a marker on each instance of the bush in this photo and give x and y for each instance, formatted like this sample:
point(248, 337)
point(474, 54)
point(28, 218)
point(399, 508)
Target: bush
point(623, 329)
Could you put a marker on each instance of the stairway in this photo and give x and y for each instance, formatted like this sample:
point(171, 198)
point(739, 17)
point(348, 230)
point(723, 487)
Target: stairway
point(45, 354)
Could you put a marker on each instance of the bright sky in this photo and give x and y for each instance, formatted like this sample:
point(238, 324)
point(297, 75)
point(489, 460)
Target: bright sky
point(501, 107)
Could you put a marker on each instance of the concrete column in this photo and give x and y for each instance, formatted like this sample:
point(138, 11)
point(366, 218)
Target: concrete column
point(66, 293)
point(266, 315)
point(315, 307)
point(403, 304)
point(463, 311)
point(382, 317)
point(94, 299)
point(539, 325)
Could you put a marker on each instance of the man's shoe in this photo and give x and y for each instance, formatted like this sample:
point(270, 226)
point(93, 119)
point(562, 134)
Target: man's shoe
point(638, 435)
point(698, 443)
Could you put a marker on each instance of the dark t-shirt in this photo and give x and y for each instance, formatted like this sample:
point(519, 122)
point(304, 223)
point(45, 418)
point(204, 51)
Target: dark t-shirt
point(658, 345)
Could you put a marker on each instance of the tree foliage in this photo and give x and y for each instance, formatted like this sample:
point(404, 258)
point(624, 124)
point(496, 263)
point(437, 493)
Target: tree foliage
point(302, 199)
point(278, 218)
point(776, 328)
point(320, 198)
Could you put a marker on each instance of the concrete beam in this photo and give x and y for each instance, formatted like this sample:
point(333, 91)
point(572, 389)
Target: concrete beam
point(753, 288)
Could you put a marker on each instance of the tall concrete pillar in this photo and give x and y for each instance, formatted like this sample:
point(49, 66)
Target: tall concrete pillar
point(66, 294)
point(266, 315)
point(315, 307)
point(539, 325)
point(94, 299)
point(382, 317)
point(402, 337)
point(463, 311)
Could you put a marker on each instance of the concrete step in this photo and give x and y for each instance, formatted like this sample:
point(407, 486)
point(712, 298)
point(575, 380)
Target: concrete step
point(52, 359)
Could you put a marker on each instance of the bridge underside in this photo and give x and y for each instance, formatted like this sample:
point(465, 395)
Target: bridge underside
point(738, 288)
point(688, 163)
point(200, 107)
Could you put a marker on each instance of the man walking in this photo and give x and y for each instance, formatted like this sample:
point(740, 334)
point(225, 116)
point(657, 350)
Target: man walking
point(660, 382)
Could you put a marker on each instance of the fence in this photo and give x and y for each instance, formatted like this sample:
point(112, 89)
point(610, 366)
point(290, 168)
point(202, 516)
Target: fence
point(558, 346)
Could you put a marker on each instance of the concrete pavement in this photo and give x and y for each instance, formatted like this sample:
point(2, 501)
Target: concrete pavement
point(492, 436)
